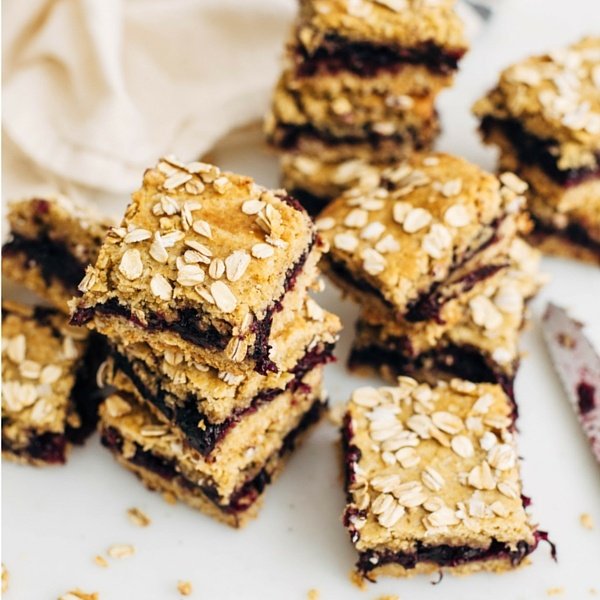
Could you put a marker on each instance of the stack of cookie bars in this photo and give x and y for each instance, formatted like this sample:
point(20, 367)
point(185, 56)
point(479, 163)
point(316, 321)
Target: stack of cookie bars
point(431, 254)
point(49, 396)
point(544, 115)
point(218, 351)
point(359, 88)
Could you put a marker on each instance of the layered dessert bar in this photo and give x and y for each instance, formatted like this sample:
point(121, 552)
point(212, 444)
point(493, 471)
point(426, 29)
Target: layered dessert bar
point(206, 261)
point(49, 392)
point(432, 228)
point(544, 116)
point(229, 485)
point(207, 405)
point(360, 82)
point(52, 241)
point(478, 340)
point(432, 480)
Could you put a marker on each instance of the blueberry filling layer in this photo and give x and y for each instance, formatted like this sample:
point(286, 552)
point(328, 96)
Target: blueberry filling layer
point(288, 137)
point(532, 150)
point(188, 326)
point(55, 261)
point(446, 556)
point(50, 448)
point(367, 59)
point(465, 362)
point(245, 495)
point(186, 415)
point(428, 305)
point(573, 233)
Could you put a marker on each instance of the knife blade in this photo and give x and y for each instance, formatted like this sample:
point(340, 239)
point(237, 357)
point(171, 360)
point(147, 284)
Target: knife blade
point(578, 366)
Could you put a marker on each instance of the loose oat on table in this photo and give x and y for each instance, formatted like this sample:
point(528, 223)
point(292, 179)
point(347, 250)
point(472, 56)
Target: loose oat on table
point(121, 550)
point(138, 517)
point(78, 594)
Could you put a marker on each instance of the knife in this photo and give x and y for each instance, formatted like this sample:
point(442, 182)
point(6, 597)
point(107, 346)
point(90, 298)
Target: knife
point(578, 367)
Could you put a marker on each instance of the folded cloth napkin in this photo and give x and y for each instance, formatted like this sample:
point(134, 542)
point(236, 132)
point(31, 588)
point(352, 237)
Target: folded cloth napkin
point(96, 90)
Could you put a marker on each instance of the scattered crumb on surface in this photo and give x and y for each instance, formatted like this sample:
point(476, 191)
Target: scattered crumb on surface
point(184, 588)
point(169, 498)
point(4, 578)
point(121, 550)
point(336, 414)
point(100, 561)
point(555, 591)
point(138, 517)
point(586, 520)
point(78, 594)
point(313, 594)
point(593, 591)
point(388, 597)
point(357, 580)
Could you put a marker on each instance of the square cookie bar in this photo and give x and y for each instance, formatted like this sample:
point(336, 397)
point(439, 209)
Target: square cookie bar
point(203, 260)
point(544, 115)
point(52, 240)
point(49, 392)
point(427, 232)
point(230, 486)
point(207, 404)
point(478, 341)
point(432, 480)
point(369, 38)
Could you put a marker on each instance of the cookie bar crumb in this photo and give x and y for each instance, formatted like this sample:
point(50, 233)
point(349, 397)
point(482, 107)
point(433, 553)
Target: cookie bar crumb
point(184, 588)
point(586, 520)
point(5, 578)
point(138, 517)
point(78, 594)
point(100, 561)
point(313, 594)
point(555, 591)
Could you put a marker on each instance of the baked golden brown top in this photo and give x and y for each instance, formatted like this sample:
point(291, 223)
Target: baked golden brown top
point(411, 225)
point(196, 238)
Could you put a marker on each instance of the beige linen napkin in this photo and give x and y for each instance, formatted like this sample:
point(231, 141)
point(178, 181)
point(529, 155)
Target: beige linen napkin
point(96, 90)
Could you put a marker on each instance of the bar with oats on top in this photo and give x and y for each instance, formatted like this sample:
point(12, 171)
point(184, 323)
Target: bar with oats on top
point(432, 480)
point(544, 116)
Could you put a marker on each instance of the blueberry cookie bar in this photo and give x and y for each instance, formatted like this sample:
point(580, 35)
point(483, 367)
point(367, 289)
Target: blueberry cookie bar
point(432, 480)
point(360, 82)
point(544, 116)
point(49, 392)
point(52, 241)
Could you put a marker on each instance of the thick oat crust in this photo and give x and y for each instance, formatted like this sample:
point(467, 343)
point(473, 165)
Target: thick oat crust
point(435, 465)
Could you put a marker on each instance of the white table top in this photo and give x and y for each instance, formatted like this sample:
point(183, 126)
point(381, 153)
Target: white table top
point(55, 520)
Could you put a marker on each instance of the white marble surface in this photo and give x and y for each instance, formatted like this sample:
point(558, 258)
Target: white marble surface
point(54, 521)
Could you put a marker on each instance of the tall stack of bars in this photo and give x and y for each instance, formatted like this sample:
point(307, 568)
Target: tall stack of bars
point(217, 349)
point(432, 255)
point(359, 88)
